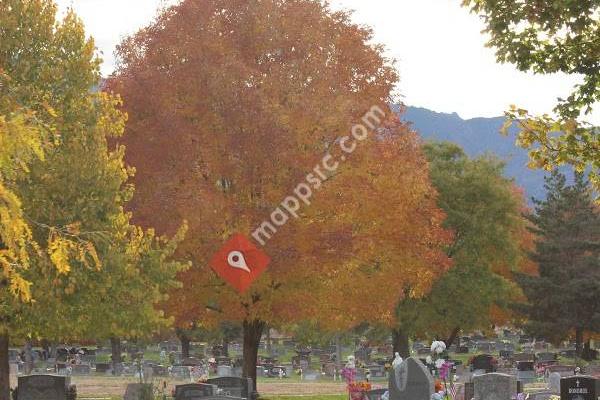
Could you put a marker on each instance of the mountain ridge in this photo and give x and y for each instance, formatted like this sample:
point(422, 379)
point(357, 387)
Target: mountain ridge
point(478, 136)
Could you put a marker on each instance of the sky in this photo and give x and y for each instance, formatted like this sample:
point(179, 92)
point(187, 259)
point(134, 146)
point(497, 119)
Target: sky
point(440, 51)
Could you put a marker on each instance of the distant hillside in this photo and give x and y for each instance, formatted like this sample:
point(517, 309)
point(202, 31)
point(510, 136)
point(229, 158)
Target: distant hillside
point(478, 136)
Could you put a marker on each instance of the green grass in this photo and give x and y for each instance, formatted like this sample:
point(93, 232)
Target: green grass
point(308, 397)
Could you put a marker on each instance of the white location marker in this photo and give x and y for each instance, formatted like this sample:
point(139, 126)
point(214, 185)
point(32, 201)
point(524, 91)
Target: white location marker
point(235, 259)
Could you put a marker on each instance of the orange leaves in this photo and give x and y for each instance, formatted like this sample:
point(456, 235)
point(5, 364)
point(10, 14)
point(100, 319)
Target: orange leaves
point(231, 105)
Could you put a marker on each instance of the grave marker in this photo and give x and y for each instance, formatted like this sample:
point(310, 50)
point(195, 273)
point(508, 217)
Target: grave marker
point(578, 388)
point(43, 387)
point(495, 386)
point(410, 380)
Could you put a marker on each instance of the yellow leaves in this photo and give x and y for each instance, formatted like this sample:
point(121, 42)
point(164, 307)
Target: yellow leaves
point(63, 251)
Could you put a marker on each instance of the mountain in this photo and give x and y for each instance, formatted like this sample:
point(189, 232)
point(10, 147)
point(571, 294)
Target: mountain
point(479, 136)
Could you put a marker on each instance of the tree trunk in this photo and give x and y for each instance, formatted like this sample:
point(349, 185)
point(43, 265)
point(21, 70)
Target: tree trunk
point(452, 337)
point(185, 345)
point(225, 347)
point(252, 333)
point(28, 357)
point(587, 350)
point(115, 344)
point(579, 341)
point(268, 340)
point(4, 367)
point(338, 352)
point(400, 342)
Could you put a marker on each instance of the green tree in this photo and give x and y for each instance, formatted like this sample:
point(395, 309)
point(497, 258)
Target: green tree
point(484, 211)
point(548, 37)
point(563, 297)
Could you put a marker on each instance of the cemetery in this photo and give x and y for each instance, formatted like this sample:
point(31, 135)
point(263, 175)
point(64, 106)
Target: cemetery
point(255, 200)
point(541, 375)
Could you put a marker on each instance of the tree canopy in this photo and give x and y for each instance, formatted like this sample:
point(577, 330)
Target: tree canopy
point(548, 37)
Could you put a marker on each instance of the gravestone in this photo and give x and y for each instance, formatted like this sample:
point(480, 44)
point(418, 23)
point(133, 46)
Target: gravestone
point(43, 387)
point(377, 371)
point(523, 357)
point(469, 390)
point(579, 388)
point(194, 391)
point(180, 372)
point(505, 354)
point(13, 369)
point(563, 370)
point(526, 371)
point(224, 370)
point(410, 380)
point(462, 350)
point(484, 362)
point(138, 391)
point(102, 368)
point(546, 357)
point(495, 386)
point(233, 386)
point(554, 382)
point(81, 369)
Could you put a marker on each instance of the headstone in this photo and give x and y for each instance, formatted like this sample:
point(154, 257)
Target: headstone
point(483, 362)
point(505, 354)
point(233, 386)
point(194, 391)
point(546, 357)
point(138, 391)
point(469, 390)
point(377, 371)
point(495, 386)
point(554, 382)
point(81, 369)
point(579, 388)
point(14, 369)
point(224, 370)
point(102, 368)
point(523, 357)
point(410, 380)
point(43, 387)
point(563, 370)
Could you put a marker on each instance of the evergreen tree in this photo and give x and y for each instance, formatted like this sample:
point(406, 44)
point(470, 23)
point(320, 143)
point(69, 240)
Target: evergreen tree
point(564, 297)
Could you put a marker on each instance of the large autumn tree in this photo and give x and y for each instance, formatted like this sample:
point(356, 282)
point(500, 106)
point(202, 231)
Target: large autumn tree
point(547, 37)
point(232, 104)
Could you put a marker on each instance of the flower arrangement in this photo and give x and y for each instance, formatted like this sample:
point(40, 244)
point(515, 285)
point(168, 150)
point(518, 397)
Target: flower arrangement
point(357, 390)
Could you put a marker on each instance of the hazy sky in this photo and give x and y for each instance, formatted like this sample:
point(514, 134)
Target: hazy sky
point(439, 47)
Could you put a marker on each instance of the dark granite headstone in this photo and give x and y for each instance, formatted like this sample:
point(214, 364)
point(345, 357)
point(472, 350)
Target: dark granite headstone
point(410, 380)
point(579, 388)
point(43, 387)
point(233, 386)
point(194, 391)
point(483, 362)
point(102, 368)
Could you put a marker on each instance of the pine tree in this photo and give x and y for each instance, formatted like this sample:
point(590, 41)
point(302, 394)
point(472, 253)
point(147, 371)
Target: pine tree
point(564, 296)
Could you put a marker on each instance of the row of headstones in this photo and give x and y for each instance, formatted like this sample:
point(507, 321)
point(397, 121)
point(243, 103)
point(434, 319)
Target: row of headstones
point(411, 380)
point(54, 387)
